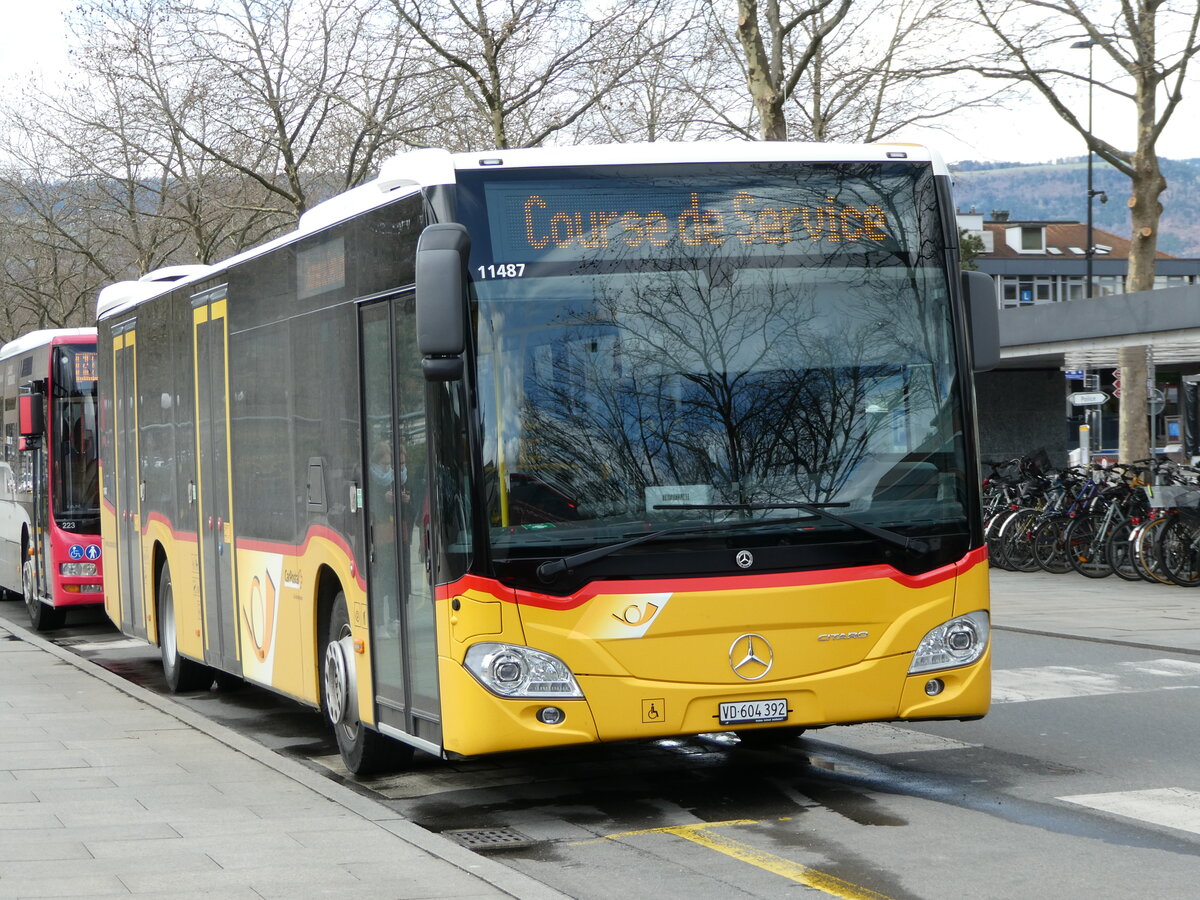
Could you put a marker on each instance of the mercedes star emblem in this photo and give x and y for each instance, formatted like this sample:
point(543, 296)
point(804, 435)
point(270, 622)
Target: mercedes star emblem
point(751, 657)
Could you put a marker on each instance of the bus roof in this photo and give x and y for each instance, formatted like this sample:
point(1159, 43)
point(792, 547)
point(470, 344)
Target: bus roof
point(44, 336)
point(406, 173)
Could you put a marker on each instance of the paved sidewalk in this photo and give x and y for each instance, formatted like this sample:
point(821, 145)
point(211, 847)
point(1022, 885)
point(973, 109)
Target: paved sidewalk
point(108, 790)
point(1105, 609)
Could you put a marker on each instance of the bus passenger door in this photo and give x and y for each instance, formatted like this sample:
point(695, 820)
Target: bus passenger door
point(132, 619)
point(403, 633)
point(215, 506)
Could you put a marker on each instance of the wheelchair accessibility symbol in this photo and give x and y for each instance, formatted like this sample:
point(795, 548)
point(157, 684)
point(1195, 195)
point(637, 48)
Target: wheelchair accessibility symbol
point(75, 551)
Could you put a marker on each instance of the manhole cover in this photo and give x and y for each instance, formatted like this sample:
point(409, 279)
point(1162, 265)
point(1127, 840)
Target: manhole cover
point(483, 840)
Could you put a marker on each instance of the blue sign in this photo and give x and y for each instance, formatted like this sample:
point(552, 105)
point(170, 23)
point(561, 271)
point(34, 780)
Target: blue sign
point(1027, 296)
point(75, 551)
point(92, 552)
point(1074, 374)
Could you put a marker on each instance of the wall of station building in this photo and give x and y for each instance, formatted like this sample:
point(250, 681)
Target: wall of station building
point(1021, 411)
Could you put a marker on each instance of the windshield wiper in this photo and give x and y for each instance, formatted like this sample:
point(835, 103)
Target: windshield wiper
point(913, 545)
point(548, 570)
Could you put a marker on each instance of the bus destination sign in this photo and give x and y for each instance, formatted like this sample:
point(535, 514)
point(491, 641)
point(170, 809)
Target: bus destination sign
point(551, 221)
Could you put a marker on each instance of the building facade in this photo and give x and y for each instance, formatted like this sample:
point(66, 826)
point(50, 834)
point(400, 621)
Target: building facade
point(1034, 262)
point(1047, 347)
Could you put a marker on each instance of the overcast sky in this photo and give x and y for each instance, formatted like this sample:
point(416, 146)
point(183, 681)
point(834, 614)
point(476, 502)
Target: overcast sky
point(34, 37)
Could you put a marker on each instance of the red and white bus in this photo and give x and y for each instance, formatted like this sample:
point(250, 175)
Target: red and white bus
point(49, 480)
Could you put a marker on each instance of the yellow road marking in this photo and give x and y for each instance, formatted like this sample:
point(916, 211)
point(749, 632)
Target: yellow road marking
point(704, 835)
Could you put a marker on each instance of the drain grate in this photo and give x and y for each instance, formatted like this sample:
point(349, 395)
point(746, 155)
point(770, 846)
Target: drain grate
point(69, 641)
point(484, 840)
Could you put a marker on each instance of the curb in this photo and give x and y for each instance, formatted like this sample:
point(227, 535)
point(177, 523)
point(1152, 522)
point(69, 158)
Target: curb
point(1096, 639)
point(509, 881)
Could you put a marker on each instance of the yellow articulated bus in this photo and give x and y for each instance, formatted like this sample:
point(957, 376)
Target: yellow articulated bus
point(531, 448)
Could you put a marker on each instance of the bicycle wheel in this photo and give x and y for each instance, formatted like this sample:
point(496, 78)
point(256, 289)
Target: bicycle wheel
point(1018, 546)
point(1118, 551)
point(997, 558)
point(1179, 552)
point(1049, 551)
point(1083, 546)
point(1145, 550)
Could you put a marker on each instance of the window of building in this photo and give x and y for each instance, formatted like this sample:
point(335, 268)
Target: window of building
point(1032, 238)
point(1008, 291)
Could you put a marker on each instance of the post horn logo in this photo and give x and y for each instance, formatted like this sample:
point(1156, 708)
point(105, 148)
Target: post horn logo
point(751, 657)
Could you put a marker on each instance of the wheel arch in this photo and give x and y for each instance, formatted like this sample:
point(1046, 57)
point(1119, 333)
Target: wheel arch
point(328, 586)
point(159, 562)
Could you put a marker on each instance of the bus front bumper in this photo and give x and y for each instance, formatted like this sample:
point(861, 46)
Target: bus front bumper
point(617, 708)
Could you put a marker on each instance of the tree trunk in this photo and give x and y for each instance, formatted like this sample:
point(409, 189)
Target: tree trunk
point(1132, 423)
point(1145, 209)
point(764, 90)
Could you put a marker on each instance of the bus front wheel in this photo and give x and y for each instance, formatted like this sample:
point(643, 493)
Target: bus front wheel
point(182, 674)
point(364, 751)
point(43, 616)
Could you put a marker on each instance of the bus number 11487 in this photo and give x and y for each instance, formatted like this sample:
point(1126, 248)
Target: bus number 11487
point(504, 270)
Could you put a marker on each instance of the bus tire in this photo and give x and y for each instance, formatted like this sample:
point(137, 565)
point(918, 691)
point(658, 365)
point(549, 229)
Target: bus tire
point(42, 616)
point(182, 674)
point(364, 750)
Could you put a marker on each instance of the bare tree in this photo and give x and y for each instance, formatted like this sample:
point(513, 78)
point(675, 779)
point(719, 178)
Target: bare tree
point(686, 84)
point(1151, 42)
point(778, 49)
point(528, 69)
point(880, 70)
point(51, 254)
point(301, 97)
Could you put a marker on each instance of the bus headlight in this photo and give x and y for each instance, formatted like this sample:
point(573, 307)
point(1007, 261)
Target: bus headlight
point(513, 671)
point(78, 569)
point(959, 642)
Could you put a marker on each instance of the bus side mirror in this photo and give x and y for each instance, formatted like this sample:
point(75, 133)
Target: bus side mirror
point(31, 418)
point(983, 318)
point(441, 307)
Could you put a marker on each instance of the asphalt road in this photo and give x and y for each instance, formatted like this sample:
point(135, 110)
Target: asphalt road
point(1082, 782)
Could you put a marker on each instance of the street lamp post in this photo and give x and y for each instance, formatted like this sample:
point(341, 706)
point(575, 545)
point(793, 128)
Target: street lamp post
point(1090, 251)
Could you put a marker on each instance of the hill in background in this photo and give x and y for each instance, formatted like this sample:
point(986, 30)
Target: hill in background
point(1058, 191)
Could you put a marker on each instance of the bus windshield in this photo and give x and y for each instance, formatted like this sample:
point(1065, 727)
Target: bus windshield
point(711, 345)
point(75, 484)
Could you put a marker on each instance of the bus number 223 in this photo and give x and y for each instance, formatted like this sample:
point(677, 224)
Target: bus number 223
point(504, 270)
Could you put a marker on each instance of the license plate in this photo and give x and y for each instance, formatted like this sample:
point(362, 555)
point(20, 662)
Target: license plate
point(746, 712)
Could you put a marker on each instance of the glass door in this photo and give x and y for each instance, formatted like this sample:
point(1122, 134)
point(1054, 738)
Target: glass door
point(403, 634)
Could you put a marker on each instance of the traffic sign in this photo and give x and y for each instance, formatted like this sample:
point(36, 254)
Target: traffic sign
point(1074, 374)
point(1087, 398)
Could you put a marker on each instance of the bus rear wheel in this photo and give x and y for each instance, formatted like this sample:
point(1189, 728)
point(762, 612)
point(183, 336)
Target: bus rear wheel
point(182, 674)
point(364, 751)
point(43, 616)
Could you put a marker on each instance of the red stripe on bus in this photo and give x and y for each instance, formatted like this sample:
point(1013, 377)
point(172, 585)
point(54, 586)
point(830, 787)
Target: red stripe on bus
point(283, 549)
point(719, 583)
